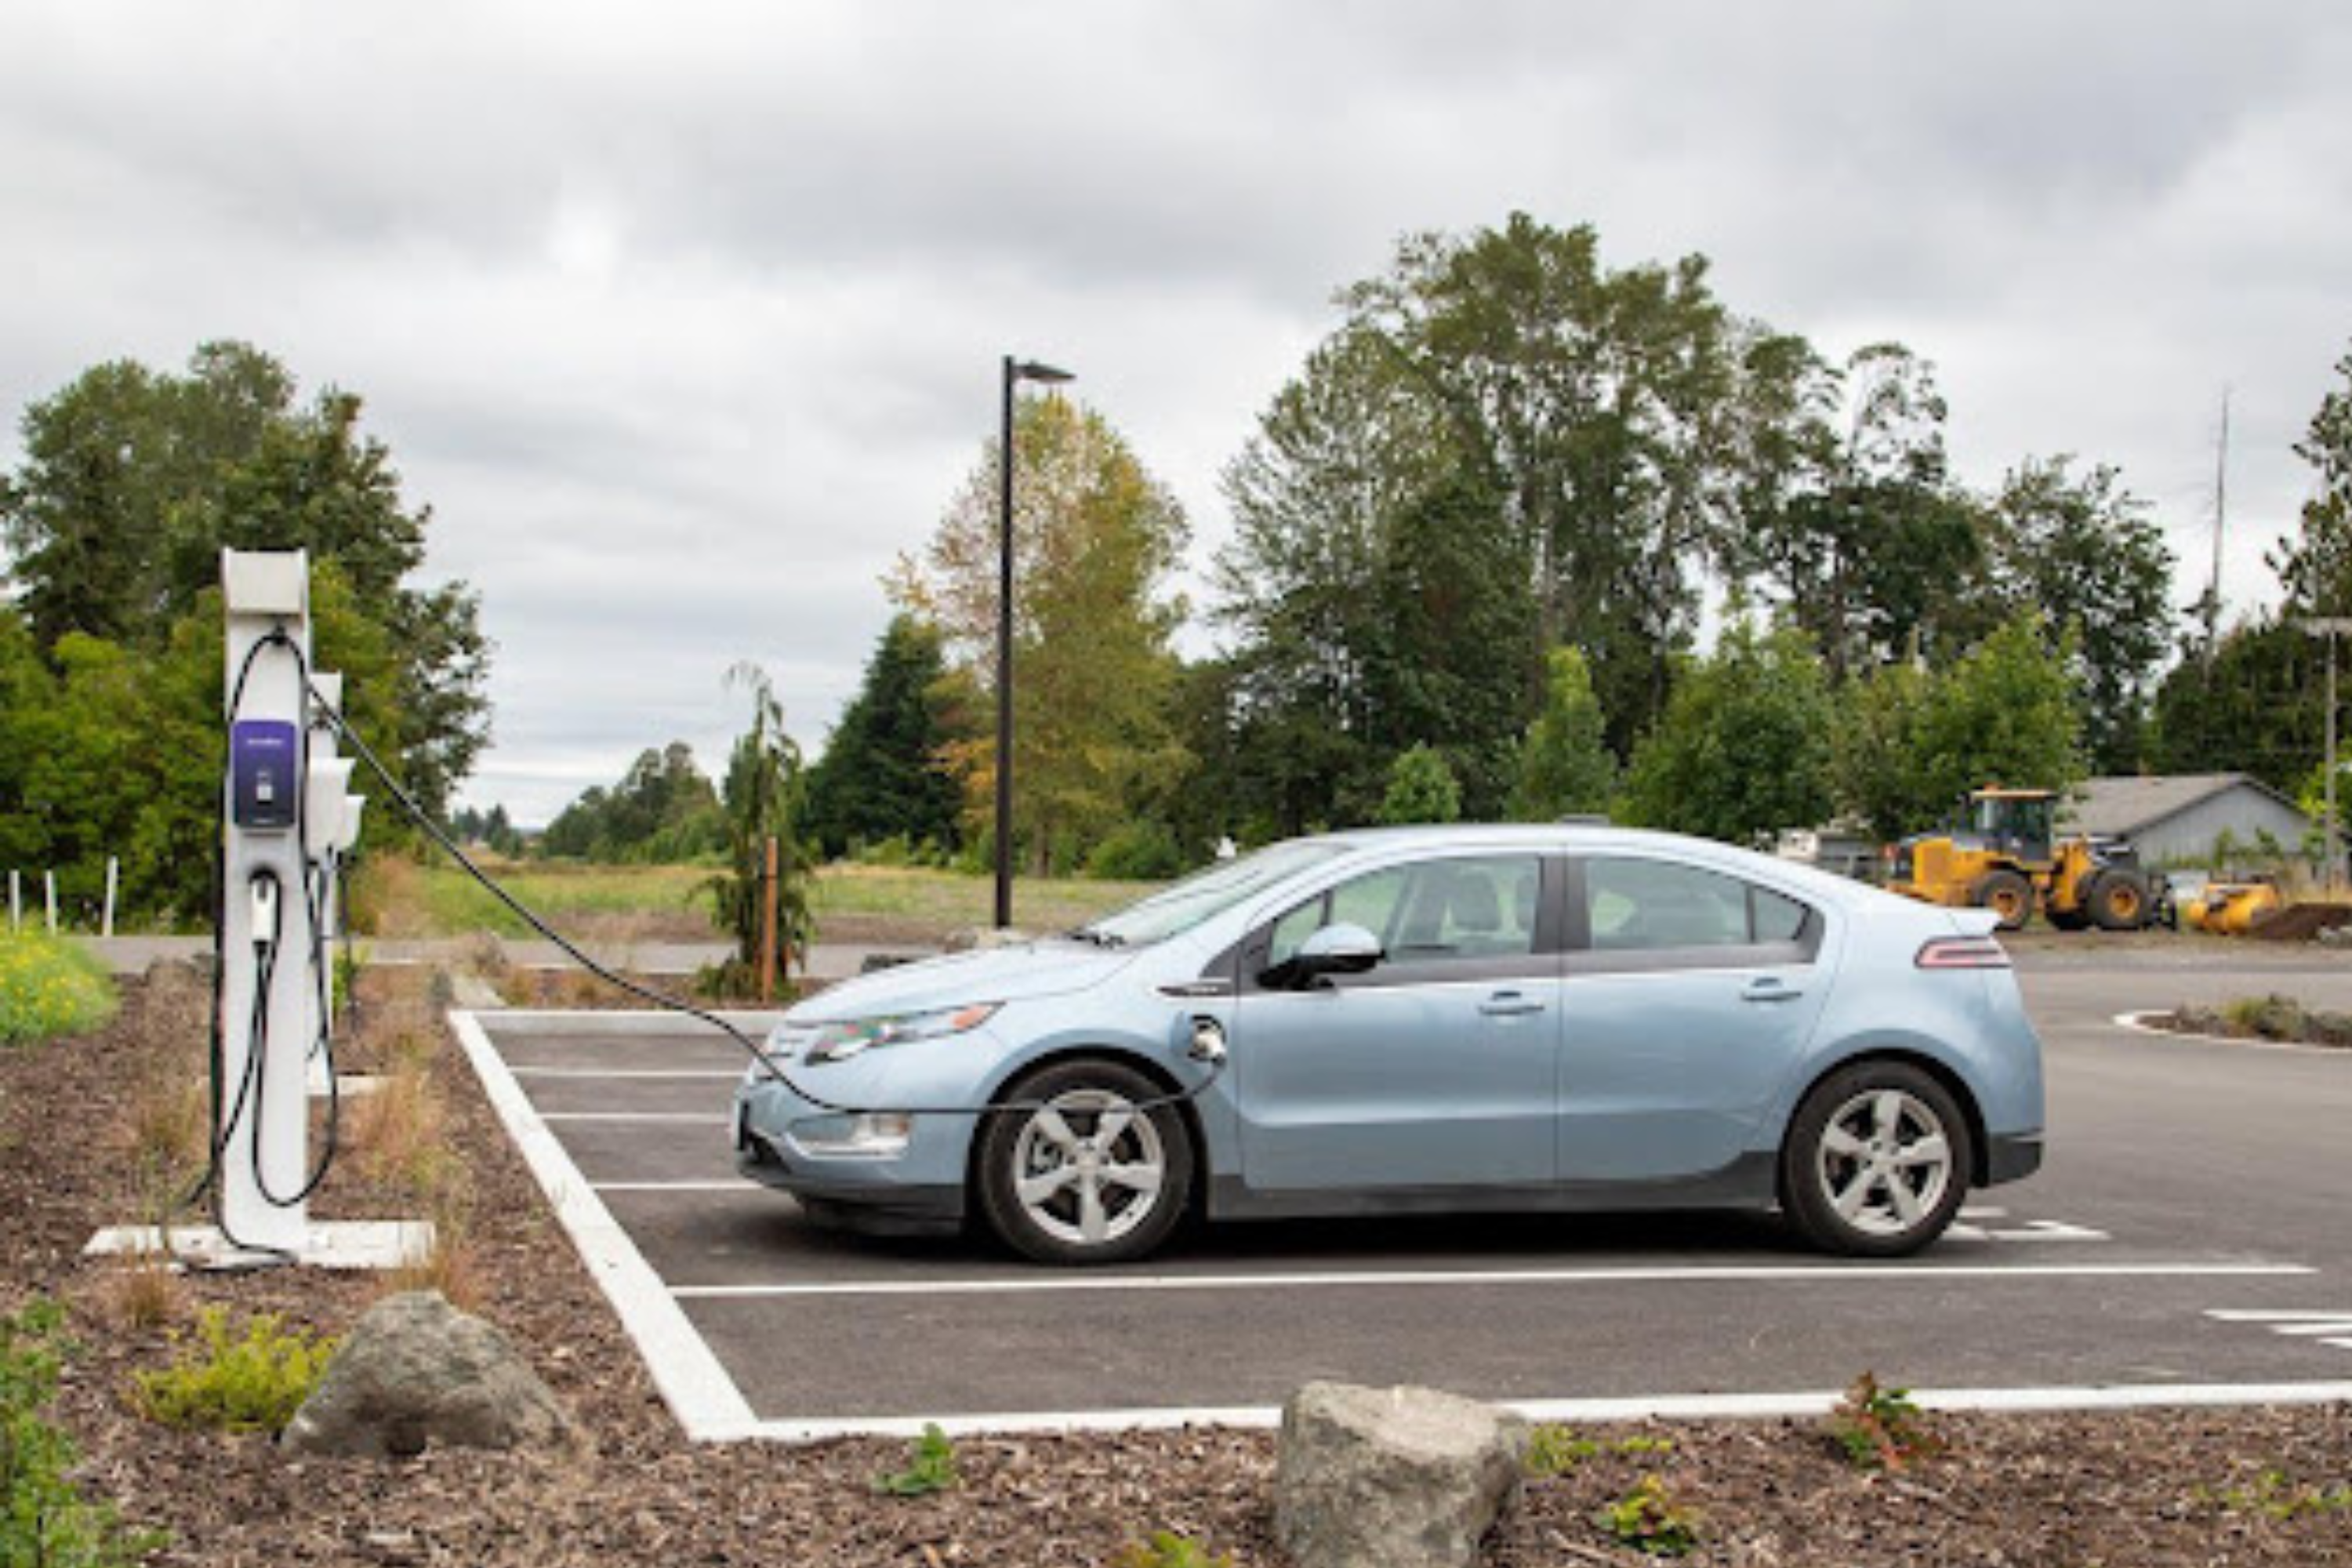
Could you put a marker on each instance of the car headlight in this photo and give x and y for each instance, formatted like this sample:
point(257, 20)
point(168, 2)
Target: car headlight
point(840, 1041)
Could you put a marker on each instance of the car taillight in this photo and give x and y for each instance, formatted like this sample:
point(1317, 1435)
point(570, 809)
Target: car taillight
point(1962, 953)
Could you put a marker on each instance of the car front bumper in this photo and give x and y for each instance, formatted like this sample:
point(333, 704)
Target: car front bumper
point(918, 1189)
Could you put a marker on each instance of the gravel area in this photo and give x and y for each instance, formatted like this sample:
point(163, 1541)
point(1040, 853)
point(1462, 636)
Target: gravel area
point(2168, 1488)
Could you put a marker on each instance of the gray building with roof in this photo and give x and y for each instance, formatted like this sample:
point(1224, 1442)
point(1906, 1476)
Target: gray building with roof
point(2176, 820)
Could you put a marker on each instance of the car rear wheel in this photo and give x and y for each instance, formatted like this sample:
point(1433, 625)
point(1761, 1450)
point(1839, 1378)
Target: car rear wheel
point(1081, 1172)
point(1876, 1162)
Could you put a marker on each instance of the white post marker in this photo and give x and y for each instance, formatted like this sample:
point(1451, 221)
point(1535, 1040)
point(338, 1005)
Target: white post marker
point(49, 881)
point(15, 902)
point(266, 914)
point(113, 885)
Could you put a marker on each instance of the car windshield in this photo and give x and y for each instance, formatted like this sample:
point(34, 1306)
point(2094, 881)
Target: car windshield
point(1181, 906)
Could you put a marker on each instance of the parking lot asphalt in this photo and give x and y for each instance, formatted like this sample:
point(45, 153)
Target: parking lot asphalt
point(2188, 1235)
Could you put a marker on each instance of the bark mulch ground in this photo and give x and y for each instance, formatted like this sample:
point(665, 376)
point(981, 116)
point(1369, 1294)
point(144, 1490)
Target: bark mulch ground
point(79, 1123)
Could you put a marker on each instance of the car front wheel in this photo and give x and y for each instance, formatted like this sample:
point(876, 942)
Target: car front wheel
point(1082, 1167)
point(1876, 1163)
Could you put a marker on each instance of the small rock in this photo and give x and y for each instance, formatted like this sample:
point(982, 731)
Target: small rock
point(416, 1372)
point(1391, 1478)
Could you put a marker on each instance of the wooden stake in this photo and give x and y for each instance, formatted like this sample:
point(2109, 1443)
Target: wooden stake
point(767, 926)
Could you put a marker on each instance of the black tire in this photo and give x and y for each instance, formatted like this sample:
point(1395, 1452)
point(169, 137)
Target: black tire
point(1049, 1222)
point(2006, 892)
point(1840, 1148)
point(2120, 900)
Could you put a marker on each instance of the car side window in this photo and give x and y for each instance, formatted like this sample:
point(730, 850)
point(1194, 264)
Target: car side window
point(1429, 912)
point(1632, 905)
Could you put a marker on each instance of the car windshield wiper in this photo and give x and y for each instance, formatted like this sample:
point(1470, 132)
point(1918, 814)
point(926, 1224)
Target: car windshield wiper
point(1098, 937)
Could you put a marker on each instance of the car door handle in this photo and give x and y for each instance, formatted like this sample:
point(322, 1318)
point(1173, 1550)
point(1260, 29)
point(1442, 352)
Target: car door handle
point(1767, 989)
point(1510, 1004)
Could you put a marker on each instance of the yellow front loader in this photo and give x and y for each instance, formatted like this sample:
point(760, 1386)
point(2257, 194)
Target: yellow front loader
point(2005, 860)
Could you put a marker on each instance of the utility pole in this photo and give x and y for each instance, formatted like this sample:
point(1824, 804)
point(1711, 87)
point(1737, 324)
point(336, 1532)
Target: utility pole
point(2331, 628)
point(2220, 522)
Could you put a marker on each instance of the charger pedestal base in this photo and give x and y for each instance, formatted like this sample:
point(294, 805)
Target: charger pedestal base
point(329, 1244)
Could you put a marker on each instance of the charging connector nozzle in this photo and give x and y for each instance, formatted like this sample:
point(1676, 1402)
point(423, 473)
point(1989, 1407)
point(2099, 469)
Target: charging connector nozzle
point(264, 910)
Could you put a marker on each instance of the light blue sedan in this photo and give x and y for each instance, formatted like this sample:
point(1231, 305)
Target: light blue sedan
point(1423, 1020)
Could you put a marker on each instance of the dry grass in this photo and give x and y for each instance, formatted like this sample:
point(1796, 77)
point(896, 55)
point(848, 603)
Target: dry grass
point(165, 1132)
point(146, 1296)
point(397, 1134)
point(453, 1267)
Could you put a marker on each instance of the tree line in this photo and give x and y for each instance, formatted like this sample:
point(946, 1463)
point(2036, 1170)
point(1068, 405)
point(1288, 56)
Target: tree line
point(1479, 539)
point(132, 482)
point(1526, 534)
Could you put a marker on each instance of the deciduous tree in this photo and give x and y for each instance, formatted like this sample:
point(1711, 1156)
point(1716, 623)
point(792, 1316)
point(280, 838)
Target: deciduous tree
point(1097, 537)
point(1742, 749)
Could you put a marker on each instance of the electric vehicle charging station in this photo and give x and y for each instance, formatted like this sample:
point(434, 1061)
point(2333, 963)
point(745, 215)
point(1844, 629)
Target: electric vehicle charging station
point(267, 914)
point(288, 820)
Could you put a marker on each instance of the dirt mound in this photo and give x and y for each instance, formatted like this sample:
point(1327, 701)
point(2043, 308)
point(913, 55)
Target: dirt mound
point(2301, 921)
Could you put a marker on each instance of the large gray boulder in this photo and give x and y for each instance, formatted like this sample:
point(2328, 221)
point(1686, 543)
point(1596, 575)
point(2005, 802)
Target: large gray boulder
point(416, 1372)
point(1391, 1478)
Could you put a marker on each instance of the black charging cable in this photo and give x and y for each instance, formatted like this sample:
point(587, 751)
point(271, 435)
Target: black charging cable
point(764, 1058)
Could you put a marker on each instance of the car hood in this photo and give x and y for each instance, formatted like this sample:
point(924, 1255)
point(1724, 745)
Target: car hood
point(1050, 968)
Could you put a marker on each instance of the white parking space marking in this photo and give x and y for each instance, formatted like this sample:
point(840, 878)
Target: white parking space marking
point(698, 1118)
point(1817, 1274)
point(700, 1075)
point(2329, 1328)
point(2032, 1230)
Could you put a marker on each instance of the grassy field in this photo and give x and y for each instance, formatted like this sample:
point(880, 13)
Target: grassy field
point(649, 903)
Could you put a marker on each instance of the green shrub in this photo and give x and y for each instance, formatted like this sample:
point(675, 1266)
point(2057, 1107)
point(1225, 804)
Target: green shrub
point(1881, 1427)
point(931, 1467)
point(45, 1521)
point(1649, 1520)
point(2277, 1497)
point(2271, 1017)
point(250, 1383)
point(49, 987)
point(1137, 852)
point(1169, 1550)
point(1554, 1450)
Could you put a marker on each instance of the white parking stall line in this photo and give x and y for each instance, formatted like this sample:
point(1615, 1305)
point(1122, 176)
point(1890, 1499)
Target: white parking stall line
point(1818, 1274)
point(698, 1074)
point(2325, 1326)
point(2032, 1230)
point(697, 1118)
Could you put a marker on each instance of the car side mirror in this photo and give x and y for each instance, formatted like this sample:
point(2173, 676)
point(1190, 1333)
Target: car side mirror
point(1340, 949)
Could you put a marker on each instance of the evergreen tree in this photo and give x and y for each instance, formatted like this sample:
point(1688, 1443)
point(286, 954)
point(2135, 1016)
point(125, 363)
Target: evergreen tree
point(885, 772)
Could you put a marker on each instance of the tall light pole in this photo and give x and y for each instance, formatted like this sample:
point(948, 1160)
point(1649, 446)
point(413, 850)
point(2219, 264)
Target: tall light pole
point(2331, 628)
point(1017, 371)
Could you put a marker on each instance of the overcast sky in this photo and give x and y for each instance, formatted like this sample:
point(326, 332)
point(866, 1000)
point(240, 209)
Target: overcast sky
point(686, 320)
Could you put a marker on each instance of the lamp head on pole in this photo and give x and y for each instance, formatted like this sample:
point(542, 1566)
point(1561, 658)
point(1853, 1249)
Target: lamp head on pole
point(1043, 374)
